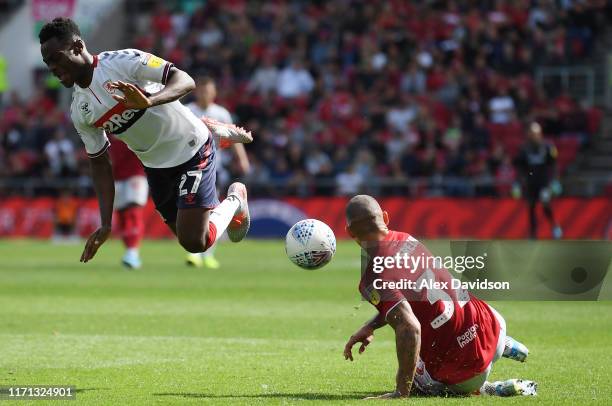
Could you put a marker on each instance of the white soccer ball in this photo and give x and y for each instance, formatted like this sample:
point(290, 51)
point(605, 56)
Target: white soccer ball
point(310, 244)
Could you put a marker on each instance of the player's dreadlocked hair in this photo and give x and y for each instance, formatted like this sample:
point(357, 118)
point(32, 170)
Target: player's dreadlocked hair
point(61, 28)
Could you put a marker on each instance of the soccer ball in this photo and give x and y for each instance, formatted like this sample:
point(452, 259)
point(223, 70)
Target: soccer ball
point(310, 244)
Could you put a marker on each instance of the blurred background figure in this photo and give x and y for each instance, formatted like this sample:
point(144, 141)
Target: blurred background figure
point(294, 81)
point(537, 166)
point(131, 193)
point(204, 106)
point(66, 211)
point(60, 154)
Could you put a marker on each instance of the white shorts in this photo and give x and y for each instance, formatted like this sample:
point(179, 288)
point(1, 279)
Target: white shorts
point(426, 384)
point(131, 191)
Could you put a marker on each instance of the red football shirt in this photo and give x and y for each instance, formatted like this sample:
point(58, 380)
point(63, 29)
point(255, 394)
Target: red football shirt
point(125, 163)
point(459, 332)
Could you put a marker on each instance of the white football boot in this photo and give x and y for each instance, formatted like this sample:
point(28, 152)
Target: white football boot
point(239, 226)
point(515, 350)
point(227, 134)
point(511, 387)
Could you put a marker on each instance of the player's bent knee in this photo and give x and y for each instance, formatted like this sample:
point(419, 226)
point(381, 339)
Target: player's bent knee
point(194, 244)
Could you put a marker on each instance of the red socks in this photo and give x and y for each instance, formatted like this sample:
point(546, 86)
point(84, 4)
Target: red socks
point(131, 226)
point(212, 234)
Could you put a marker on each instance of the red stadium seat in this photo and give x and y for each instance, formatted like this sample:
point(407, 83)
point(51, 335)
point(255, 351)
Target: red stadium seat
point(594, 116)
point(568, 149)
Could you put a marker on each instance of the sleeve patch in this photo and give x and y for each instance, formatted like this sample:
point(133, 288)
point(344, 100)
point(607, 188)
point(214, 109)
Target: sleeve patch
point(152, 61)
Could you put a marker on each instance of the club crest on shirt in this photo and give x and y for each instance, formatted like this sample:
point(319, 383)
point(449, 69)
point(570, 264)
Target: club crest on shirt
point(372, 295)
point(107, 86)
point(190, 198)
point(84, 107)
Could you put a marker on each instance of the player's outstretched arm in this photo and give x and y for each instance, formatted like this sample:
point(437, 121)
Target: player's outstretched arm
point(364, 335)
point(408, 344)
point(104, 185)
point(179, 83)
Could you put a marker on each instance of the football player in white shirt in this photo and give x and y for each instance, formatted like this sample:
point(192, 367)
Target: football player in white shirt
point(134, 95)
point(204, 106)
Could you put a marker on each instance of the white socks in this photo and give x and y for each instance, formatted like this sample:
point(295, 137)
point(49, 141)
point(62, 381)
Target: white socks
point(223, 213)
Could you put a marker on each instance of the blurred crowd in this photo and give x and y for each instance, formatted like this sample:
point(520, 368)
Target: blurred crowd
point(39, 144)
point(404, 97)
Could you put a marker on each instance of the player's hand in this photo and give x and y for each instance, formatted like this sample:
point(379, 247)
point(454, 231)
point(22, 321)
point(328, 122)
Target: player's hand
point(94, 242)
point(132, 97)
point(390, 395)
point(364, 335)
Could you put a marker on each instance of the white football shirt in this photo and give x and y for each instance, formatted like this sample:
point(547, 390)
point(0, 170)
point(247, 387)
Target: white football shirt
point(162, 136)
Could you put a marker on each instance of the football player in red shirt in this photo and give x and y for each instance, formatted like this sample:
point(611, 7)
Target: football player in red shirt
point(446, 339)
point(131, 193)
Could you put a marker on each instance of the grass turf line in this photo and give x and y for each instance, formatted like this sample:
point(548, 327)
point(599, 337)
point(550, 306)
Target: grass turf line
point(259, 330)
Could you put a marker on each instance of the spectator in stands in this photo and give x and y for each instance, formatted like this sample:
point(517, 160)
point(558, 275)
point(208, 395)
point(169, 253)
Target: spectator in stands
point(501, 107)
point(391, 79)
point(211, 35)
point(349, 182)
point(265, 77)
point(402, 113)
point(413, 80)
point(318, 162)
point(60, 154)
point(294, 81)
point(480, 138)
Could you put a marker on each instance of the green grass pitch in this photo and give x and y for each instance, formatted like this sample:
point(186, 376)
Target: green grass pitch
point(257, 331)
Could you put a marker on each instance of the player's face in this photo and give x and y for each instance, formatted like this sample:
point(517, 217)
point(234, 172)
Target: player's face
point(535, 136)
point(208, 93)
point(535, 133)
point(62, 59)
